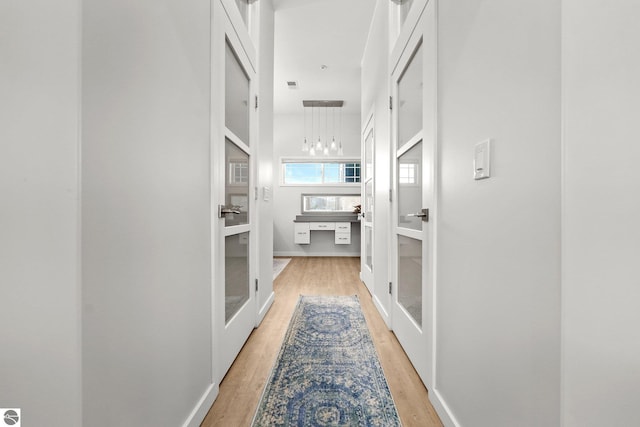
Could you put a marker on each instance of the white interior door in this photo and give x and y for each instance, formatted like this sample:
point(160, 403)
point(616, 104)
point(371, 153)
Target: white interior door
point(413, 95)
point(367, 207)
point(233, 148)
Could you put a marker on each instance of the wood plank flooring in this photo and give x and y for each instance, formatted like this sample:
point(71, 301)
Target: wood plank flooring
point(242, 387)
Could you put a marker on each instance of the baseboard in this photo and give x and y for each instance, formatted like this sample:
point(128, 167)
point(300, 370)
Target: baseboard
point(443, 410)
point(265, 308)
point(318, 254)
point(383, 313)
point(202, 408)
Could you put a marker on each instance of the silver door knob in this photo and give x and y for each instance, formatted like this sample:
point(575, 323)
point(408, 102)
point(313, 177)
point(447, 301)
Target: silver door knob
point(424, 214)
point(223, 210)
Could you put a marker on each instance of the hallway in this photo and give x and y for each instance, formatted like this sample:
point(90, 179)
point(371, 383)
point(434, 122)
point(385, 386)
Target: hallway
point(242, 387)
point(128, 130)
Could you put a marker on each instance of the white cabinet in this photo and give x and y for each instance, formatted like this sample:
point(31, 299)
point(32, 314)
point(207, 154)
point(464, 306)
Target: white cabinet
point(343, 238)
point(322, 225)
point(302, 230)
point(302, 235)
point(343, 227)
point(343, 233)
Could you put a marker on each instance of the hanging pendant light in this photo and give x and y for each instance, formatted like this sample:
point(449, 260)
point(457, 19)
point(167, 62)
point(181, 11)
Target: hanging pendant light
point(319, 142)
point(315, 142)
point(305, 144)
point(325, 151)
point(340, 152)
point(312, 149)
point(334, 146)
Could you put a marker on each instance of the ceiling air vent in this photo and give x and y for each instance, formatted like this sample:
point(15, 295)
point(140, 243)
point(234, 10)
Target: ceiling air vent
point(292, 84)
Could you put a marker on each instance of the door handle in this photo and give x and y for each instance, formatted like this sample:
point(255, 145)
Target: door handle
point(223, 210)
point(424, 214)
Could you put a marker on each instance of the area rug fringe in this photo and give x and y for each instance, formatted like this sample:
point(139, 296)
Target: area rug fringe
point(327, 371)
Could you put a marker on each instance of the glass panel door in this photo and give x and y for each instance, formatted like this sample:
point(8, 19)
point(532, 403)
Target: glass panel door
point(232, 169)
point(367, 208)
point(413, 184)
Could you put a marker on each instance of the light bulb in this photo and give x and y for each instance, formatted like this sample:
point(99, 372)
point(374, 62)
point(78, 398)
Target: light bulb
point(312, 151)
point(334, 147)
point(305, 146)
point(319, 145)
point(340, 152)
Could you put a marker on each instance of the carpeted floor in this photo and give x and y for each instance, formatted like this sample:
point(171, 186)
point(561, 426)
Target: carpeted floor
point(327, 372)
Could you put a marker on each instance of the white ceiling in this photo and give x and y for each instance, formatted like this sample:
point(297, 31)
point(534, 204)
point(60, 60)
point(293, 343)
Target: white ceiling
point(311, 33)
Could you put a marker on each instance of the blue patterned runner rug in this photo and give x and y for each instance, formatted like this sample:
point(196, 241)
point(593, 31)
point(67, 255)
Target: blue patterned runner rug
point(327, 372)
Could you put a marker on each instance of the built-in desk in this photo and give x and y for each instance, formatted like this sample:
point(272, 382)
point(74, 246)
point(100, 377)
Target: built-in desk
point(340, 225)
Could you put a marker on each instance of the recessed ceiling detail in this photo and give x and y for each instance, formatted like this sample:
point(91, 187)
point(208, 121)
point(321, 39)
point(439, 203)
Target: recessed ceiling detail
point(302, 43)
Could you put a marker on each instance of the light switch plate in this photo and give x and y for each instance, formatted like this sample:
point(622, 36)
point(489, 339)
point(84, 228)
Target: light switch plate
point(482, 160)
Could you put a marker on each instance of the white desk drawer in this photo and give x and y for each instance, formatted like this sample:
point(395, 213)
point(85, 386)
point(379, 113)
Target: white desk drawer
point(322, 225)
point(344, 227)
point(343, 238)
point(301, 234)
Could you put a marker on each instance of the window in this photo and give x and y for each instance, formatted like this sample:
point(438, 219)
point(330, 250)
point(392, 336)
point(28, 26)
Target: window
point(334, 172)
point(329, 203)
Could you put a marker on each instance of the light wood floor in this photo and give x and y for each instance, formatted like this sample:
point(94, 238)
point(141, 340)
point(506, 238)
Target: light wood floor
point(242, 387)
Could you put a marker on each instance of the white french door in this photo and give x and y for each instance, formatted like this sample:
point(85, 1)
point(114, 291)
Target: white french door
point(233, 146)
point(413, 94)
point(367, 207)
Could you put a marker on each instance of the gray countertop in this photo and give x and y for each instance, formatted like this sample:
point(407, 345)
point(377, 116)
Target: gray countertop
point(350, 217)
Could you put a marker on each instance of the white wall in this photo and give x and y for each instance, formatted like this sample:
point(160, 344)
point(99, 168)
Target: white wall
point(288, 131)
point(498, 280)
point(265, 156)
point(145, 211)
point(39, 265)
point(375, 100)
point(497, 299)
point(601, 208)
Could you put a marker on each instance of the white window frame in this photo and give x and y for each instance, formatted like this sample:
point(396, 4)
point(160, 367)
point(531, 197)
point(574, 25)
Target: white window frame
point(285, 160)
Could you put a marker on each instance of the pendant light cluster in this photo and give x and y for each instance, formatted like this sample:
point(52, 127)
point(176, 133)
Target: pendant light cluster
point(322, 113)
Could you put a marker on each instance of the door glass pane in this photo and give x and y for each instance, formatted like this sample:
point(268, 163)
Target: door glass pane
point(236, 287)
point(368, 201)
point(410, 99)
point(236, 184)
point(368, 241)
point(410, 188)
point(410, 276)
point(368, 156)
point(236, 96)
